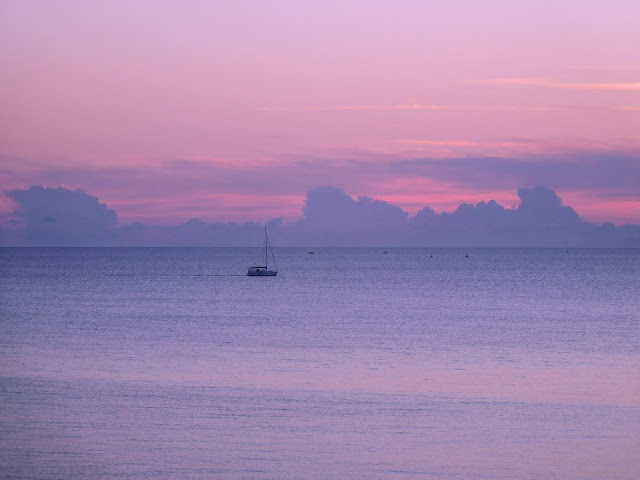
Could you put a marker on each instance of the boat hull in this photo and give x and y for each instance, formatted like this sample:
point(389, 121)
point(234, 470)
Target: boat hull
point(267, 273)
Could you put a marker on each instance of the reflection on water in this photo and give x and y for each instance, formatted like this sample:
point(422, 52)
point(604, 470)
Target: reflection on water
point(145, 429)
point(586, 379)
point(135, 363)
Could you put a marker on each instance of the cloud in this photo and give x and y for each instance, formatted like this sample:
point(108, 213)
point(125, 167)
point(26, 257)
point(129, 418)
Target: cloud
point(333, 217)
point(60, 216)
point(544, 83)
point(391, 108)
point(541, 207)
point(421, 107)
point(540, 220)
point(580, 170)
point(330, 218)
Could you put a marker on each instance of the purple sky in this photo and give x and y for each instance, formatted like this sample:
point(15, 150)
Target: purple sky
point(235, 110)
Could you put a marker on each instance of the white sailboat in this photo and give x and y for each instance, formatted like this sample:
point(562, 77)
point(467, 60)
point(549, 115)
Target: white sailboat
point(263, 271)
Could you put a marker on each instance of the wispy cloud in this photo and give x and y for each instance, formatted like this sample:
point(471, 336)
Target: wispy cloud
point(615, 68)
point(389, 108)
point(627, 108)
point(441, 143)
point(451, 148)
point(545, 83)
point(409, 107)
point(419, 107)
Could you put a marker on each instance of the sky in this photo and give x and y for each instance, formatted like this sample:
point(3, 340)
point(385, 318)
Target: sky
point(233, 111)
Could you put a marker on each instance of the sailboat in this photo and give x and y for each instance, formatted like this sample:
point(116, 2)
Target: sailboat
point(263, 271)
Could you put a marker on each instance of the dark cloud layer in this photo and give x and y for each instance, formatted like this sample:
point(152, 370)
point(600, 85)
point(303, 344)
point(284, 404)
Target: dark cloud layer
point(55, 217)
point(603, 171)
point(609, 173)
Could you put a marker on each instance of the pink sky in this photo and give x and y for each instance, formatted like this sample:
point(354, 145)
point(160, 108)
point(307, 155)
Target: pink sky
point(140, 103)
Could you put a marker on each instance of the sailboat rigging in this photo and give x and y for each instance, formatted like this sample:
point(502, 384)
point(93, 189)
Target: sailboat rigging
point(260, 270)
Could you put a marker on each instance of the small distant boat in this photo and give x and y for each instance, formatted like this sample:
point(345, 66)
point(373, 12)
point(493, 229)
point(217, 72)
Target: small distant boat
point(311, 253)
point(263, 271)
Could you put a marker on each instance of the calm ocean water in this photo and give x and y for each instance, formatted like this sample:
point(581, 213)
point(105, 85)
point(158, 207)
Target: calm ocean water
point(351, 363)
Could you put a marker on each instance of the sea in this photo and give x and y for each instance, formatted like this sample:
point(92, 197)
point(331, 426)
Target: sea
point(352, 363)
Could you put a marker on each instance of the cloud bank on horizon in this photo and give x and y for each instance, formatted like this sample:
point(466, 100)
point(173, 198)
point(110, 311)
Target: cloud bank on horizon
point(602, 185)
point(64, 217)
